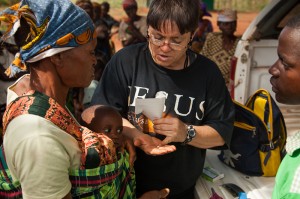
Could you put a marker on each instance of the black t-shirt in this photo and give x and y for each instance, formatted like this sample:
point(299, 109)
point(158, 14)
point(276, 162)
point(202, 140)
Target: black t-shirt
point(197, 95)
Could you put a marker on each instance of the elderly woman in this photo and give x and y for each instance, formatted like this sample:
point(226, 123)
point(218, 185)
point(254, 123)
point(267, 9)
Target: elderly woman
point(45, 147)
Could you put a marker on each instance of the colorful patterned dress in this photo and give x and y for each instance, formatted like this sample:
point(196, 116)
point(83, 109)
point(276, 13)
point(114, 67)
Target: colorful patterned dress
point(111, 179)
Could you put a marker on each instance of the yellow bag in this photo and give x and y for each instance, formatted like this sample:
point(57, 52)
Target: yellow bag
point(259, 136)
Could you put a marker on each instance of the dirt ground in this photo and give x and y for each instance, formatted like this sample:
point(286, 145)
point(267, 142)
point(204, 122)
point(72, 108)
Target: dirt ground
point(244, 19)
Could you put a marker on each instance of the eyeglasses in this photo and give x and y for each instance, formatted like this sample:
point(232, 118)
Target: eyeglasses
point(161, 41)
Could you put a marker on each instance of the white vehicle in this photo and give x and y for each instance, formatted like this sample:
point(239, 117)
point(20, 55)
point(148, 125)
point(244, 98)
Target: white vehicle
point(257, 51)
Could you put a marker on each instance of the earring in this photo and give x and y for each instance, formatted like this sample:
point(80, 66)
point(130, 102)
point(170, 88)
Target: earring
point(190, 42)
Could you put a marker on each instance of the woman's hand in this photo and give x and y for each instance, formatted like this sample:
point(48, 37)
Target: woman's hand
point(174, 129)
point(161, 194)
point(152, 145)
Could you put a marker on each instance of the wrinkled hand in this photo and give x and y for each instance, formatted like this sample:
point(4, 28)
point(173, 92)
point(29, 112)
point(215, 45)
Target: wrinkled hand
point(174, 129)
point(152, 146)
point(161, 194)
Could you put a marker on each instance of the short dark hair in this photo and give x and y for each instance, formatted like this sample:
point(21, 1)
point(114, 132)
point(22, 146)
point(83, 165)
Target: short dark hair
point(83, 1)
point(185, 13)
point(294, 22)
point(106, 5)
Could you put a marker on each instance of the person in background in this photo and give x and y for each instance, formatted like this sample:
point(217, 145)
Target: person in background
point(111, 22)
point(102, 29)
point(220, 46)
point(285, 84)
point(87, 6)
point(97, 12)
point(104, 44)
point(8, 49)
point(204, 27)
point(198, 112)
point(133, 29)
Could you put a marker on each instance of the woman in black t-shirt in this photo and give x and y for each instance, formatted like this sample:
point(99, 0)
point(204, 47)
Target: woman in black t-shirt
point(198, 112)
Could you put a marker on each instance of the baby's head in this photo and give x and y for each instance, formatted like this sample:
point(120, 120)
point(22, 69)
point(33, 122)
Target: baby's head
point(104, 119)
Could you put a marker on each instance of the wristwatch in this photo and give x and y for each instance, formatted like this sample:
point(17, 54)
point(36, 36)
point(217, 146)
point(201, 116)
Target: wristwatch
point(190, 134)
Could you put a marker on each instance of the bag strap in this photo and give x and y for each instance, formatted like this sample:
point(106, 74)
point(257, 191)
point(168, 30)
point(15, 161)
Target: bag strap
point(260, 103)
point(36, 103)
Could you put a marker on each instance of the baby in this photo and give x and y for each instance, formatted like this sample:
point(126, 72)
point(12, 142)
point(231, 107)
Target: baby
point(106, 120)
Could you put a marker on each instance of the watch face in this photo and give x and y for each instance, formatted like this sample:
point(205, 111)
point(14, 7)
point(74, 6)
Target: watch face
point(192, 133)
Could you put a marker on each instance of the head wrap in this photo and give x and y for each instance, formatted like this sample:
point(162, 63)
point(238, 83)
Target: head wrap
point(204, 9)
point(55, 26)
point(227, 15)
point(129, 3)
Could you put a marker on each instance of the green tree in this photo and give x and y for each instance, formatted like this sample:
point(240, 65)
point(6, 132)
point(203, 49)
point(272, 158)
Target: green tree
point(241, 5)
point(4, 3)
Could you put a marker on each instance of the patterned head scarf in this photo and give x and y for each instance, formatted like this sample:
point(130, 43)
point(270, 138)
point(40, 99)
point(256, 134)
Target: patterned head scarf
point(55, 26)
point(227, 15)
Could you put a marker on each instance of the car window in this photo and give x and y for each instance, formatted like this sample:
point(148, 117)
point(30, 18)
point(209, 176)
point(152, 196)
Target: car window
point(270, 26)
point(290, 14)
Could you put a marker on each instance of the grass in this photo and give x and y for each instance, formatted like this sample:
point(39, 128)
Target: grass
point(241, 5)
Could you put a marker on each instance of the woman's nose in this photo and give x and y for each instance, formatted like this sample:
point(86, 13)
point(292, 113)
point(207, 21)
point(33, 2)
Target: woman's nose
point(166, 46)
